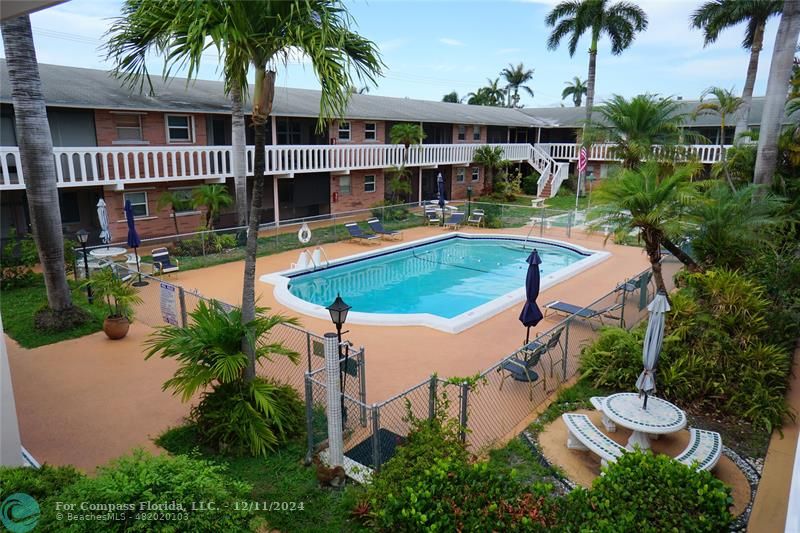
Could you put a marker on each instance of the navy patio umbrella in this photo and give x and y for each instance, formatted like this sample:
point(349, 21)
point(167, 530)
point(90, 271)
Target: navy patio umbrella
point(133, 239)
point(531, 314)
point(442, 199)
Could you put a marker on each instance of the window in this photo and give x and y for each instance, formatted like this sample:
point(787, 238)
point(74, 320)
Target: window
point(460, 175)
point(370, 131)
point(476, 173)
point(476, 133)
point(180, 129)
point(344, 185)
point(129, 127)
point(289, 132)
point(138, 203)
point(344, 131)
point(462, 132)
point(369, 183)
point(184, 200)
point(70, 210)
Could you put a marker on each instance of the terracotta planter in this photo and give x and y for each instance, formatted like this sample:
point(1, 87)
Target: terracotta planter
point(116, 327)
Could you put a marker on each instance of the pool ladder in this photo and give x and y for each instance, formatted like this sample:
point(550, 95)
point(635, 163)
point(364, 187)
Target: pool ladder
point(315, 258)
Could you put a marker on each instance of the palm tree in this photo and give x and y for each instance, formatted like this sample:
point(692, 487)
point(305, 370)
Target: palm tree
point(655, 205)
point(779, 73)
point(715, 16)
point(36, 154)
point(258, 34)
point(451, 97)
point(724, 104)
point(176, 202)
point(239, 155)
point(213, 197)
point(404, 133)
point(491, 158)
point(516, 77)
point(638, 124)
point(576, 88)
point(620, 22)
point(491, 95)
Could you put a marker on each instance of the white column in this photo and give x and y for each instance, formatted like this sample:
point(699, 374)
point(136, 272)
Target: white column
point(538, 135)
point(420, 185)
point(332, 374)
point(275, 200)
point(10, 445)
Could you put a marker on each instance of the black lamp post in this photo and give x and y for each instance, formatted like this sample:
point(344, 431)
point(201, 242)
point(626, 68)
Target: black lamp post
point(338, 310)
point(469, 200)
point(83, 237)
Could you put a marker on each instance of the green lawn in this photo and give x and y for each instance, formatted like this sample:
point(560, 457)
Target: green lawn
point(565, 199)
point(19, 305)
point(280, 477)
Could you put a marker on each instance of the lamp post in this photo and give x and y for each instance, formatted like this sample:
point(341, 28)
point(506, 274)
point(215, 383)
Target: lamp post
point(83, 237)
point(338, 310)
point(469, 200)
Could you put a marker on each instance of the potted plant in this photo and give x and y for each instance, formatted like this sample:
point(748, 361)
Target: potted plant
point(120, 296)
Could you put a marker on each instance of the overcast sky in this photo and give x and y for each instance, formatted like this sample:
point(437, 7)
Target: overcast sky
point(433, 47)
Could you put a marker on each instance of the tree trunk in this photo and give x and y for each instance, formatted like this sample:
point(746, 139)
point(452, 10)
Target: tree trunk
point(777, 90)
point(238, 141)
point(591, 80)
point(722, 154)
point(682, 256)
point(36, 154)
point(175, 221)
point(749, 82)
point(262, 107)
point(652, 245)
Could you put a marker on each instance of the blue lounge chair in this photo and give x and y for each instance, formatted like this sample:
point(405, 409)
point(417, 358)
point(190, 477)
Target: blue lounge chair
point(455, 220)
point(376, 226)
point(586, 313)
point(357, 234)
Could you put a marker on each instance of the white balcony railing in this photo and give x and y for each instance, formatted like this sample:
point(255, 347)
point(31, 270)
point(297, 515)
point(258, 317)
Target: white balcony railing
point(704, 153)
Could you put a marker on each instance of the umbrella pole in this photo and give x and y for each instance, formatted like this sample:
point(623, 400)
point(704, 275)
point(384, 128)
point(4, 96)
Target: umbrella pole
point(139, 283)
point(528, 336)
point(645, 402)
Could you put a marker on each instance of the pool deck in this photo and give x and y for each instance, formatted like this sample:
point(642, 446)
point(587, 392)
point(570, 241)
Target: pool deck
point(87, 400)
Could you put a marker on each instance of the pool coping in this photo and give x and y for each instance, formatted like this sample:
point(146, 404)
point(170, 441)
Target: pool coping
point(280, 280)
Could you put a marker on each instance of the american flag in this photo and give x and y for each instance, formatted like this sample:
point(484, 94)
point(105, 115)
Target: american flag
point(582, 159)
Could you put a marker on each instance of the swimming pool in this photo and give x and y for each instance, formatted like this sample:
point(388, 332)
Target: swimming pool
point(448, 282)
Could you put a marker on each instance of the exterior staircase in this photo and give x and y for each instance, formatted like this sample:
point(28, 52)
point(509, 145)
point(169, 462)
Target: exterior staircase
point(552, 173)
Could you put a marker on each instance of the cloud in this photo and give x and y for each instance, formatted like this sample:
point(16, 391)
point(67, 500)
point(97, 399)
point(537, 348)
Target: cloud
point(504, 51)
point(450, 42)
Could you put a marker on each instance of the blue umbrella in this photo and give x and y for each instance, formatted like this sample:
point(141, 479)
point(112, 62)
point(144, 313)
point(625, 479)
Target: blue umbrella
point(442, 199)
point(531, 314)
point(133, 239)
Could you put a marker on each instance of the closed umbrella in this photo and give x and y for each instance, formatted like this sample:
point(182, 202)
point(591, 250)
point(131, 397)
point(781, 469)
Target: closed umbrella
point(653, 339)
point(442, 199)
point(102, 216)
point(133, 240)
point(531, 314)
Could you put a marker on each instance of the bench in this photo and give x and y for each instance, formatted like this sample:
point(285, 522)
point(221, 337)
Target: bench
point(598, 404)
point(537, 202)
point(704, 449)
point(583, 435)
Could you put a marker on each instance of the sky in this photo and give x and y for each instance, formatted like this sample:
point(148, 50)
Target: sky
point(433, 47)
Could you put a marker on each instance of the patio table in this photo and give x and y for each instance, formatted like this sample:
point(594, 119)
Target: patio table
point(660, 418)
point(107, 252)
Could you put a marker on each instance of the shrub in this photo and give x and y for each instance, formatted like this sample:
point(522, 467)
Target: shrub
point(492, 217)
point(17, 260)
point(389, 211)
point(141, 479)
point(205, 243)
point(614, 360)
point(646, 492)
point(39, 483)
point(530, 184)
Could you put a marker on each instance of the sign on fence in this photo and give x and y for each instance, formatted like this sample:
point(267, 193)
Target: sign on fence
point(169, 306)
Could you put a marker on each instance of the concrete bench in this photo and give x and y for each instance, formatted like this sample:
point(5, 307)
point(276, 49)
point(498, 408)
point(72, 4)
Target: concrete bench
point(537, 202)
point(598, 404)
point(583, 435)
point(705, 448)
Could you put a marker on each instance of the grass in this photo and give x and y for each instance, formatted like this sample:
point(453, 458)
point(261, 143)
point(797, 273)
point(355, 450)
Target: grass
point(19, 305)
point(280, 477)
point(565, 199)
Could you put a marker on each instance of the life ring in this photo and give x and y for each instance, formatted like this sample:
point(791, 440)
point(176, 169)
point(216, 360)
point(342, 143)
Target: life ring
point(304, 235)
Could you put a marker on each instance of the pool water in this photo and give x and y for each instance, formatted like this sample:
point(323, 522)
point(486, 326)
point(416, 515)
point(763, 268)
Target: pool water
point(444, 278)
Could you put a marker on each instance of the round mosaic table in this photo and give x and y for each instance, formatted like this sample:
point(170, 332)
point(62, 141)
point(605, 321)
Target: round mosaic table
point(107, 252)
point(660, 417)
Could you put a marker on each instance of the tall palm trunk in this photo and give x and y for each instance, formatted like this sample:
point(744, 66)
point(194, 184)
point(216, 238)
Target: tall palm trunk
point(36, 153)
point(175, 221)
point(238, 143)
point(722, 154)
point(262, 108)
point(591, 80)
point(652, 245)
point(777, 90)
point(750, 81)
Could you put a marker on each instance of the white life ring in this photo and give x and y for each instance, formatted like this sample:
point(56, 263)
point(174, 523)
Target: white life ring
point(304, 235)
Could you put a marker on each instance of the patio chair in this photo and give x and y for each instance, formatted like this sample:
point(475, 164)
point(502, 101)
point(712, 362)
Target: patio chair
point(358, 235)
point(586, 313)
point(476, 218)
point(162, 263)
point(432, 216)
point(546, 347)
point(121, 272)
point(639, 284)
point(376, 226)
point(521, 369)
point(455, 220)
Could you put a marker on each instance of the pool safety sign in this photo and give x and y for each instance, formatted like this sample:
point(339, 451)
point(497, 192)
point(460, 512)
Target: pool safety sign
point(169, 304)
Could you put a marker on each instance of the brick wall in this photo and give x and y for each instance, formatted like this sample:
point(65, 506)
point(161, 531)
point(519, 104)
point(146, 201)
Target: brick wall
point(469, 130)
point(154, 130)
point(158, 222)
point(459, 189)
point(357, 199)
point(357, 132)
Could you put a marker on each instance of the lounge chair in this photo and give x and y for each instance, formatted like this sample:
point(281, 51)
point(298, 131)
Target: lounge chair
point(520, 367)
point(586, 313)
point(432, 216)
point(358, 235)
point(376, 226)
point(162, 264)
point(454, 221)
point(476, 218)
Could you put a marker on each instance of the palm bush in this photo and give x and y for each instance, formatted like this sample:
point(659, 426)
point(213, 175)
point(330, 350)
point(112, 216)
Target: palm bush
point(213, 197)
point(491, 158)
point(119, 296)
point(234, 415)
